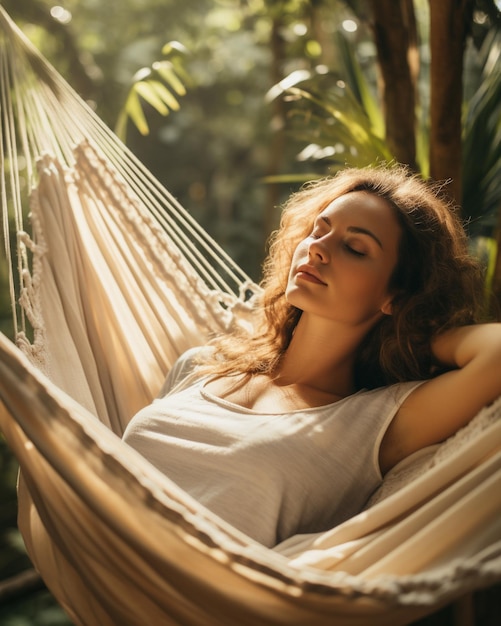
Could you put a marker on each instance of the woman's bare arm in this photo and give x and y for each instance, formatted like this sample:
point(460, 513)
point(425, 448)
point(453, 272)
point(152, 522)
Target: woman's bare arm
point(441, 406)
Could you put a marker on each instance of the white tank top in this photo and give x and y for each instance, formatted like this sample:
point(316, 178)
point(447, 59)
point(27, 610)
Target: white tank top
point(270, 475)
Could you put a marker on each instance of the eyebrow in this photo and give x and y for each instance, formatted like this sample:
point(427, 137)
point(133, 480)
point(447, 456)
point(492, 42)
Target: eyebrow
point(356, 229)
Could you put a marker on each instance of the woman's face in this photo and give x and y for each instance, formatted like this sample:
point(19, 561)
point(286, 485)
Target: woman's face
point(342, 270)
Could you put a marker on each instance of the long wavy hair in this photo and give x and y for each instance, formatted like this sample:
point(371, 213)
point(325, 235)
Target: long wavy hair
point(438, 285)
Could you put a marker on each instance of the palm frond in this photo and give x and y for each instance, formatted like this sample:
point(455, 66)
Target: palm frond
point(160, 86)
point(334, 126)
point(482, 145)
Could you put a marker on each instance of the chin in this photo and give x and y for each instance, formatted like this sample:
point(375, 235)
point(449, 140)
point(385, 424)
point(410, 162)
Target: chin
point(291, 298)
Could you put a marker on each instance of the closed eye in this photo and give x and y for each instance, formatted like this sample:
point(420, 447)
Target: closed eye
point(316, 234)
point(354, 251)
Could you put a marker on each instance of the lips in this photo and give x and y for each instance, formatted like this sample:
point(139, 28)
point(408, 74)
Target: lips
point(309, 273)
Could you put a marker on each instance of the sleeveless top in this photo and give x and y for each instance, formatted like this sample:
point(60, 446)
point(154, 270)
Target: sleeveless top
point(269, 475)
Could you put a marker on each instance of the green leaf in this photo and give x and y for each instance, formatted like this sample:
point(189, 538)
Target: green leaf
point(166, 70)
point(121, 125)
point(482, 151)
point(335, 118)
point(174, 47)
point(135, 111)
point(165, 95)
point(157, 85)
point(147, 91)
point(360, 86)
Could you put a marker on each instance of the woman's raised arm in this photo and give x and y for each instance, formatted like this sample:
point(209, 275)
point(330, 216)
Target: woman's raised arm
point(441, 406)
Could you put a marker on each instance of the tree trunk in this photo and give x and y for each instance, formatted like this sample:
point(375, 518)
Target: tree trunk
point(449, 24)
point(395, 35)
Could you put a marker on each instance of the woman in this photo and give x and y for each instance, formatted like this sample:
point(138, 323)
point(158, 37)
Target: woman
point(366, 349)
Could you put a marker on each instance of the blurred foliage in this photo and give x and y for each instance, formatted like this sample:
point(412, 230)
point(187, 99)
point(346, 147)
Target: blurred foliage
point(335, 117)
point(160, 86)
point(230, 131)
point(482, 140)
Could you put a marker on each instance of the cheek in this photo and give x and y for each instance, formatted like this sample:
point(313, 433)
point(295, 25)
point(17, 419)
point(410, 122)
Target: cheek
point(381, 287)
point(367, 285)
point(294, 262)
point(299, 254)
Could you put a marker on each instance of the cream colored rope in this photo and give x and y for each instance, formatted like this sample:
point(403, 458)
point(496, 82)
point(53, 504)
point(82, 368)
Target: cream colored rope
point(41, 114)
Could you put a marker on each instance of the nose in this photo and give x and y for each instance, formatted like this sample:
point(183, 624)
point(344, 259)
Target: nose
point(318, 250)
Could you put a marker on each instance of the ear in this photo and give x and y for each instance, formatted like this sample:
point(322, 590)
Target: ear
point(387, 308)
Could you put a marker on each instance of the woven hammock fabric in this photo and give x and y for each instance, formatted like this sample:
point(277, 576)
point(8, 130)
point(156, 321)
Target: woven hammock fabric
point(114, 286)
point(126, 545)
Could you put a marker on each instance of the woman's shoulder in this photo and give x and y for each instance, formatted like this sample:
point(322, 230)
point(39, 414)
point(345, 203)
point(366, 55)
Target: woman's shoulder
point(184, 370)
point(395, 390)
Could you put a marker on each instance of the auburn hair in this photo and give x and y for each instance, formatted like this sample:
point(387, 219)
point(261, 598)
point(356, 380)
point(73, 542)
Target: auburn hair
point(437, 284)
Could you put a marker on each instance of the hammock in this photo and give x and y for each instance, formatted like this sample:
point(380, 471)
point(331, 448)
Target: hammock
point(112, 283)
